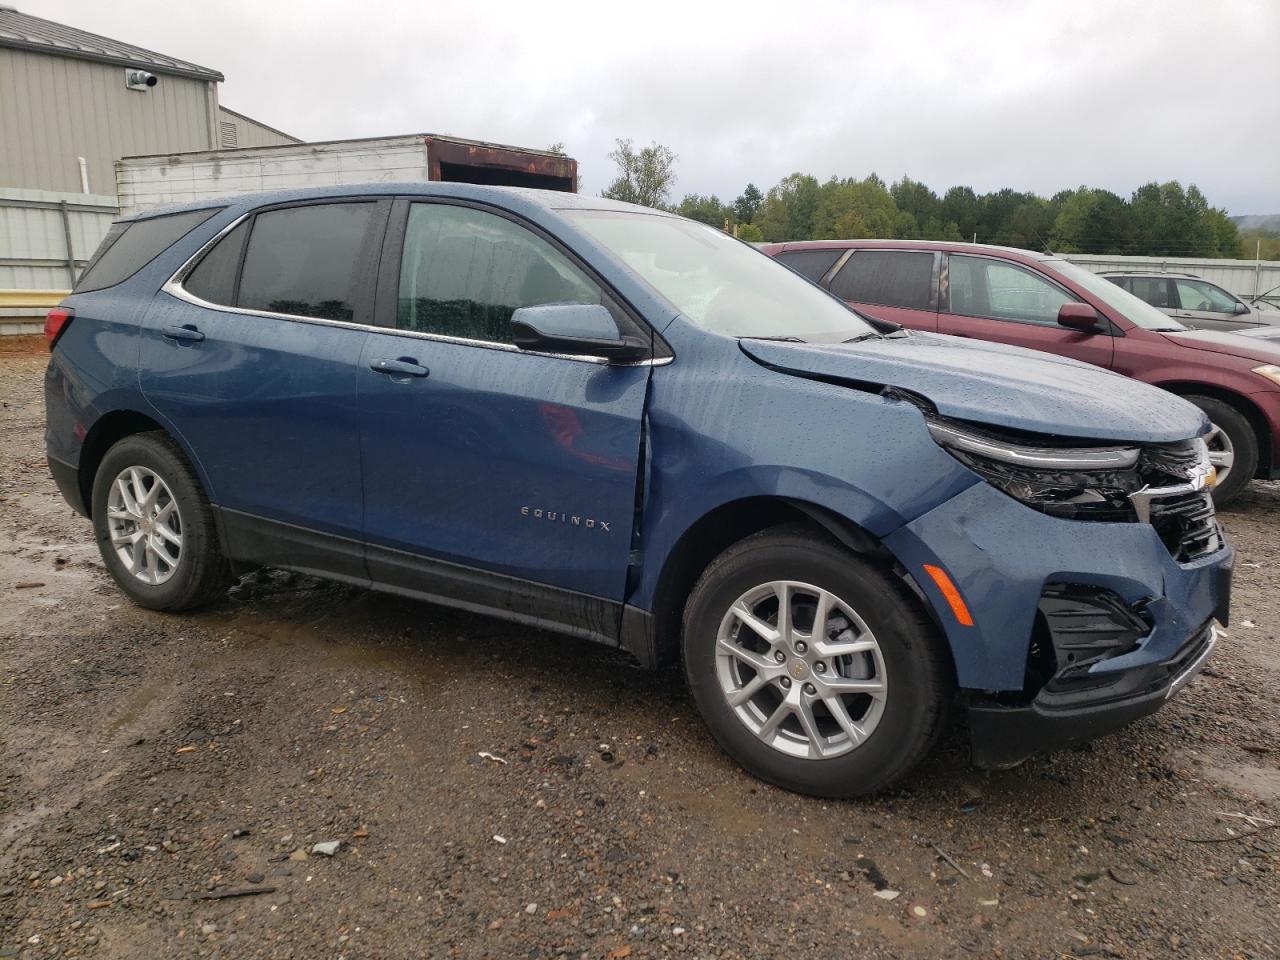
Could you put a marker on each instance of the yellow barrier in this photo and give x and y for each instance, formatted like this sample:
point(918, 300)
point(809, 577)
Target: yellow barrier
point(32, 299)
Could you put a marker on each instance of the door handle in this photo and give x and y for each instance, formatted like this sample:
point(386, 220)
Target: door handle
point(401, 367)
point(185, 332)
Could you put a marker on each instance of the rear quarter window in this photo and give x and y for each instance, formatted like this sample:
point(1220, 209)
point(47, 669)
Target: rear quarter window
point(128, 247)
point(810, 263)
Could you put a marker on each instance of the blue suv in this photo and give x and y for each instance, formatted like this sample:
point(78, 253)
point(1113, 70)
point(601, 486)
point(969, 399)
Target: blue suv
point(615, 423)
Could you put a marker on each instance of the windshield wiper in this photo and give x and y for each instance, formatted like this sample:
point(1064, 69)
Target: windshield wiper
point(864, 336)
point(784, 339)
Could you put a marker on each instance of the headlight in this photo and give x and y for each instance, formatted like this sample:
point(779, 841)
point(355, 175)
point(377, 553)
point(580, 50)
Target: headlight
point(1269, 370)
point(1063, 481)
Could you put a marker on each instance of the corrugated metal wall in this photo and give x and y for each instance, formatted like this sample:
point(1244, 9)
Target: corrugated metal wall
point(143, 182)
point(1247, 279)
point(33, 242)
point(247, 132)
point(54, 109)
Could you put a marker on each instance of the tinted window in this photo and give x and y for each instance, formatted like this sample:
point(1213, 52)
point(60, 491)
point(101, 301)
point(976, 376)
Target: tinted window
point(214, 277)
point(993, 288)
point(464, 272)
point(1198, 295)
point(810, 263)
point(1154, 290)
point(890, 277)
point(307, 261)
point(136, 245)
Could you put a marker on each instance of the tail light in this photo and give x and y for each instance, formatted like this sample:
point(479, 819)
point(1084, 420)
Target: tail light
point(56, 322)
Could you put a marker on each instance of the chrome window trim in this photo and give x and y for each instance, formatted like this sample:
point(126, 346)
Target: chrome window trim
point(173, 286)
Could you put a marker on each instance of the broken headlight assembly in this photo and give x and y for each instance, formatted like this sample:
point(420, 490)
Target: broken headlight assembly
point(1077, 482)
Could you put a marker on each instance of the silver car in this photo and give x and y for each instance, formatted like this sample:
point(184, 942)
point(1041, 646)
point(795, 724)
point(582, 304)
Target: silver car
point(1196, 302)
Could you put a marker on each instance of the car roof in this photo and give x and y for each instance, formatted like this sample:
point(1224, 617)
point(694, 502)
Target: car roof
point(511, 197)
point(943, 245)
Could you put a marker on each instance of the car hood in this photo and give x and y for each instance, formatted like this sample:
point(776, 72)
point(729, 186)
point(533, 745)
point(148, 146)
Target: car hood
point(996, 384)
point(1261, 345)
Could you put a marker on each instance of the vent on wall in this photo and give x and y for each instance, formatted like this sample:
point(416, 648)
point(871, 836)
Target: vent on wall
point(229, 137)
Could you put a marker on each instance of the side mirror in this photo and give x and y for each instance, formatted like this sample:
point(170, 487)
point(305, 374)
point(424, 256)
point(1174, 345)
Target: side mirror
point(1240, 308)
point(575, 330)
point(1078, 316)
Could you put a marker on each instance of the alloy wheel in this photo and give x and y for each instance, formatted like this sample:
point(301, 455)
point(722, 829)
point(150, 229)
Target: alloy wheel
point(1221, 452)
point(145, 525)
point(801, 670)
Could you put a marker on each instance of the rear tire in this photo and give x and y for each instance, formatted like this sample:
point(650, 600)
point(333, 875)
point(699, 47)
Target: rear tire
point(832, 741)
point(1236, 440)
point(154, 526)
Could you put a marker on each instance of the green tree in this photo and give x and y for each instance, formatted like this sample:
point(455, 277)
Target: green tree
point(788, 208)
point(708, 210)
point(916, 199)
point(961, 206)
point(557, 147)
point(645, 176)
point(748, 204)
point(1090, 221)
point(750, 233)
point(851, 209)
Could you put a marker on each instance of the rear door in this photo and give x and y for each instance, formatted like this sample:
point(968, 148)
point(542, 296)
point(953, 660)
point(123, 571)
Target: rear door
point(502, 477)
point(896, 285)
point(251, 358)
point(993, 299)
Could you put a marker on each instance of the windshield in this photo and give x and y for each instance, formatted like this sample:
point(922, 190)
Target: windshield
point(719, 283)
point(1130, 307)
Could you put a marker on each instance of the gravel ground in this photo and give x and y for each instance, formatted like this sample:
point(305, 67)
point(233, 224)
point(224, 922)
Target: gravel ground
point(497, 792)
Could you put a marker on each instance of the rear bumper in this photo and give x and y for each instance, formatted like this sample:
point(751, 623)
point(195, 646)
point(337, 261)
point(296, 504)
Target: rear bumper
point(67, 479)
point(1003, 736)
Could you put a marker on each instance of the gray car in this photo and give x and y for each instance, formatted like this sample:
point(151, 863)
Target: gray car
point(1196, 302)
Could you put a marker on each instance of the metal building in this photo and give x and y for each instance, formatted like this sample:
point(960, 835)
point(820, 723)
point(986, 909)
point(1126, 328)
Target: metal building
point(66, 94)
point(72, 103)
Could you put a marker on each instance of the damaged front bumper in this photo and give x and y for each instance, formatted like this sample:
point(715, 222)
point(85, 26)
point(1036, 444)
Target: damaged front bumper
point(1004, 735)
point(1079, 627)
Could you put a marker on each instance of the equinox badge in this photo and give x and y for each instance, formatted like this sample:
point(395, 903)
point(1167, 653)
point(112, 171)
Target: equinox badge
point(559, 516)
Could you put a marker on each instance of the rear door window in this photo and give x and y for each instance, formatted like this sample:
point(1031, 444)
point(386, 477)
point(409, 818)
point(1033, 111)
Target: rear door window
point(892, 278)
point(126, 251)
point(1154, 290)
point(214, 277)
point(813, 264)
point(309, 261)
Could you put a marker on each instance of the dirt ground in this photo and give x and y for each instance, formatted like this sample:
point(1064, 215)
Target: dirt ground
point(498, 792)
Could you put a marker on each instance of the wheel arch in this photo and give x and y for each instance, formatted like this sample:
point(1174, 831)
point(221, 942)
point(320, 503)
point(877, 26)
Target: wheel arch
point(1239, 402)
point(657, 644)
point(108, 430)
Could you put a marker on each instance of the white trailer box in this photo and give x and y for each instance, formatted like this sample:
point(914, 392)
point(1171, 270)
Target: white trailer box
point(145, 182)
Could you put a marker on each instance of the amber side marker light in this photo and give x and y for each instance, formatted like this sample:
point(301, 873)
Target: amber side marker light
point(951, 594)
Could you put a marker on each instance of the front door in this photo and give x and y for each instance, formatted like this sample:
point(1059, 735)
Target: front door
point(252, 361)
point(514, 473)
point(1209, 307)
point(992, 299)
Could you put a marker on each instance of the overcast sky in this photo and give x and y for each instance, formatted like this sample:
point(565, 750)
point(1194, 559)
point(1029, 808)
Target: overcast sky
point(1035, 96)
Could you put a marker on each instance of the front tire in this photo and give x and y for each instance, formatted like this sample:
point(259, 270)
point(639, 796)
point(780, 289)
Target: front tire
point(1233, 448)
point(813, 668)
point(154, 526)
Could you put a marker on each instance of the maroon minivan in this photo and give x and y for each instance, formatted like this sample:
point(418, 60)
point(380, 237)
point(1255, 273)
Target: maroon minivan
point(1043, 302)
